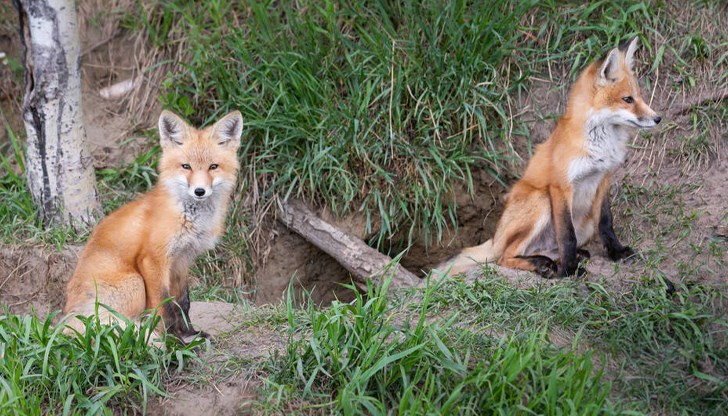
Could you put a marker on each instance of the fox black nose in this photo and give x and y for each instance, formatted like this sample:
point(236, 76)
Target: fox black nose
point(657, 119)
point(200, 192)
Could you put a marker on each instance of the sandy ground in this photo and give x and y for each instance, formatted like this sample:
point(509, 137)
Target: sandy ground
point(213, 393)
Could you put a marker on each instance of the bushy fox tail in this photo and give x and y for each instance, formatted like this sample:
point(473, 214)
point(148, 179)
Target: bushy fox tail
point(468, 258)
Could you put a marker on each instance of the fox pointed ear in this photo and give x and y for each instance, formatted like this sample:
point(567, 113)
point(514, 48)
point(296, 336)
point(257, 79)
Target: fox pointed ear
point(629, 53)
point(172, 129)
point(228, 130)
point(610, 67)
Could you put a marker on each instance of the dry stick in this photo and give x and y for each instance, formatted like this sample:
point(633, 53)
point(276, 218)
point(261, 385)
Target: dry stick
point(100, 43)
point(362, 261)
point(715, 96)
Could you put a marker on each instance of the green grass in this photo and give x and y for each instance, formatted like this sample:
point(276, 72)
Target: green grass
point(380, 108)
point(376, 108)
point(369, 357)
point(108, 369)
point(116, 186)
point(486, 347)
point(119, 185)
point(482, 347)
point(665, 352)
point(575, 33)
point(17, 212)
point(361, 106)
point(13, 183)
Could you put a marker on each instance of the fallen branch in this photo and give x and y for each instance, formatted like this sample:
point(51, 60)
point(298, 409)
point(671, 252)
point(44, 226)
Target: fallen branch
point(700, 100)
point(362, 261)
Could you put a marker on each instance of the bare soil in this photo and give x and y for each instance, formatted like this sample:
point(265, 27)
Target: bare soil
point(209, 389)
point(292, 259)
point(34, 279)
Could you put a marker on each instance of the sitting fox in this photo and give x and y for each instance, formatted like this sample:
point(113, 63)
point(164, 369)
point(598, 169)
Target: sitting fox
point(563, 196)
point(140, 254)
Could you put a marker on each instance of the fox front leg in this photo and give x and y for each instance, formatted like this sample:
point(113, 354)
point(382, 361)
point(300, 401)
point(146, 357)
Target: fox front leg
point(615, 250)
point(565, 234)
point(177, 317)
point(174, 312)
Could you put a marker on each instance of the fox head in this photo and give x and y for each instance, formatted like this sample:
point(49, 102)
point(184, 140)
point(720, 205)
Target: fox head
point(613, 91)
point(199, 164)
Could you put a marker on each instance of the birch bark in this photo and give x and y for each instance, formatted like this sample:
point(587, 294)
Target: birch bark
point(59, 165)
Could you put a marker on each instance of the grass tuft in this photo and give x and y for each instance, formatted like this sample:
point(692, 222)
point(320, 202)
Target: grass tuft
point(664, 351)
point(361, 106)
point(364, 357)
point(108, 367)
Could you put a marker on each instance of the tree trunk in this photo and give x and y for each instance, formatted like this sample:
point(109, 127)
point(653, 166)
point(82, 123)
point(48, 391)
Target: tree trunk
point(362, 261)
point(59, 165)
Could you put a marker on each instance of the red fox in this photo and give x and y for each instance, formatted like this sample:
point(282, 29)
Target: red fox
point(563, 196)
point(140, 254)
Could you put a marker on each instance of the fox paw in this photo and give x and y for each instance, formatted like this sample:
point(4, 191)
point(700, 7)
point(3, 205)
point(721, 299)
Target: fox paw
point(669, 287)
point(545, 267)
point(189, 338)
point(189, 333)
point(580, 269)
point(196, 334)
point(582, 254)
point(620, 254)
point(576, 269)
point(204, 334)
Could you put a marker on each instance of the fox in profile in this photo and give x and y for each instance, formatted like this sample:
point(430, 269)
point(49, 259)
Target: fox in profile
point(563, 197)
point(140, 254)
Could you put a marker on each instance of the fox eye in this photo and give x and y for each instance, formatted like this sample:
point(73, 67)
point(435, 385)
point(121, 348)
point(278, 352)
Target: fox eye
point(628, 100)
point(213, 166)
point(186, 166)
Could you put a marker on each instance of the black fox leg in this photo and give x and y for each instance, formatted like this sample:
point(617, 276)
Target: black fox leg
point(615, 249)
point(178, 312)
point(565, 235)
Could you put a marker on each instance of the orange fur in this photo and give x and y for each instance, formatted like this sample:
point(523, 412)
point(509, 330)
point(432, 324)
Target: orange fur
point(140, 254)
point(562, 198)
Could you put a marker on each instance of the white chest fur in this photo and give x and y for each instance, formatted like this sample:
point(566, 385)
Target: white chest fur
point(606, 149)
point(197, 233)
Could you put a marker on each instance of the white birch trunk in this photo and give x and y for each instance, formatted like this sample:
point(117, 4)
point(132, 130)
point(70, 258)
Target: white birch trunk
point(59, 165)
